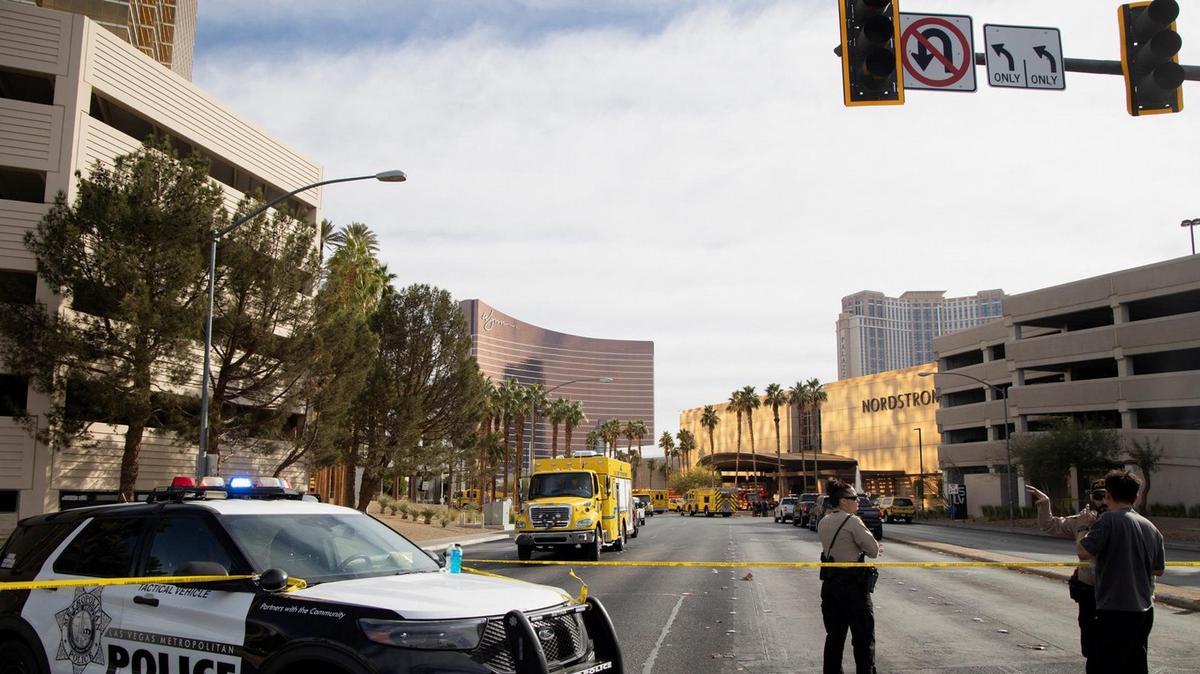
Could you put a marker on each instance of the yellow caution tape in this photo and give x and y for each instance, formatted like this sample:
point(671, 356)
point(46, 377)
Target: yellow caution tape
point(808, 565)
point(582, 590)
point(293, 583)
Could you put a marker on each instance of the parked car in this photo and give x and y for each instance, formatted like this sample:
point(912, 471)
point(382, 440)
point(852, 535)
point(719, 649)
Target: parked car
point(803, 506)
point(868, 510)
point(676, 505)
point(817, 511)
point(786, 510)
point(896, 509)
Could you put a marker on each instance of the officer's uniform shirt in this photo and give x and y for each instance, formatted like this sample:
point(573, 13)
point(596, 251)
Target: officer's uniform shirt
point(854, 539)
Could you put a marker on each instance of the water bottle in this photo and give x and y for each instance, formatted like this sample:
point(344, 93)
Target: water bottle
point(456, 558)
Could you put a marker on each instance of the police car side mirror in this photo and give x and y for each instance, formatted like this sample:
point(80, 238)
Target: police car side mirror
point(441, 559)
point(273, 580)
point(201, 569)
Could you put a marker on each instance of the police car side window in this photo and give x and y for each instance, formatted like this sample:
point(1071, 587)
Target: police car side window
point(179, 540)
point(28, 547)
point(105, 549)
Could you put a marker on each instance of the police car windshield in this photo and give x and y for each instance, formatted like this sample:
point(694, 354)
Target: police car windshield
point(325, 547)
point(551, 485)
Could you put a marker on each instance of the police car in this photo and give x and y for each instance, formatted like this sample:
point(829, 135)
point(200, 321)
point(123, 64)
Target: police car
point(373, 602)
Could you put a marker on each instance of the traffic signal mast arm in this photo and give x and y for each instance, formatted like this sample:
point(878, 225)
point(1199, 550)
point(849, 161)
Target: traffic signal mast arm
point(1092, 66)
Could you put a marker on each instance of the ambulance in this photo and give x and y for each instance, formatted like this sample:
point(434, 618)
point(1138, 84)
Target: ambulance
point(579, 503)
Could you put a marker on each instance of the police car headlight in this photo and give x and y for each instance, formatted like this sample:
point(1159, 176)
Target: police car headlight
point(432, 635)
point(584, 523)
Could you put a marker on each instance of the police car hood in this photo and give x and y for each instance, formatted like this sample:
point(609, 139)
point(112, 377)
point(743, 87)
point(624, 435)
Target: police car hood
point(438, 595)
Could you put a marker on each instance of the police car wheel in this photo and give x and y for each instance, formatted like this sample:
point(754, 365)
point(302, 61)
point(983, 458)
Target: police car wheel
point(17, 658)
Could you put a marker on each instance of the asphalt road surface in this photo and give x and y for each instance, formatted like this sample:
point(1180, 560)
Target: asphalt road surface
point(1037, 547)
point(692, 620)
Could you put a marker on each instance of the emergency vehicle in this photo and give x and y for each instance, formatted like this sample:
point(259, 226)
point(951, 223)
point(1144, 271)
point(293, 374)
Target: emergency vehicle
point(467, 498)
point(658, 500)
point(585, 501)
point(370, 600)
point(709, 502)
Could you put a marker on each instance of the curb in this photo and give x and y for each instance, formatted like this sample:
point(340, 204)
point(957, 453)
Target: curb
point(1165, 597)
point(441, 546)
point(1176, 545)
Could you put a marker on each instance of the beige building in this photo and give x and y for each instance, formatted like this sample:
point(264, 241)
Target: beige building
point(75, 94)
point(867, 423)
point(164, 30)
point(1121, 350)
point(887, 423)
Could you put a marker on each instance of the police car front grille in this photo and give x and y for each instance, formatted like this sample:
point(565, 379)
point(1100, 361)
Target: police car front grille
point(541, 516)
point(567, 644)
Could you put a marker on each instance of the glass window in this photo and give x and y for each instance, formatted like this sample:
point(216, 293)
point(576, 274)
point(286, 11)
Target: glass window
point(14, 395)
point(552, 485)
point(326, 547)
point(29, 546)
point(104, 549)
point(17, 287)
point(179, 540)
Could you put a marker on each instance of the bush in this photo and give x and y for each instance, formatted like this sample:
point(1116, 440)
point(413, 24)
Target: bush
point(385, 503)
point(1171, 510)
point(446, 516)
point(427, 515)
point(405, 510)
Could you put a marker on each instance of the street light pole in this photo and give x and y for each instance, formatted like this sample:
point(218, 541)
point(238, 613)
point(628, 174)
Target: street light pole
point(533, 412)
point(1008, 477)
point(1192, 224)
point(921, 459)
point(393, 176)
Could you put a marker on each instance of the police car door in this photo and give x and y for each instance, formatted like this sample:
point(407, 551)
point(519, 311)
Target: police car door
point(75, 624)
point(184, 629)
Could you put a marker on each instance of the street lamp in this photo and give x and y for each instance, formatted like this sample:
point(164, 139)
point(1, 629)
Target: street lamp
point(921, 459)
point(1008, 478)
point(1193, 224)
point(533, 409)
point(393, 176)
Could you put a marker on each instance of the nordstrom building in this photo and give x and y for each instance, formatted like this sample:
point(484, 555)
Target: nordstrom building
point(74, 93)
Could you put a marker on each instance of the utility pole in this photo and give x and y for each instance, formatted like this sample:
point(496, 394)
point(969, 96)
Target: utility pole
point(1192, 225)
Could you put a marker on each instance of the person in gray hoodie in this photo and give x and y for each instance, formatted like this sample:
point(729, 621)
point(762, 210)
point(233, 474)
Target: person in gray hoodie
point(1082, 584)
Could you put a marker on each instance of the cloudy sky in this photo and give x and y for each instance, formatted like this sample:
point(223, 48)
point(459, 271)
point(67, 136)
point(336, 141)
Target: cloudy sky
point(684, 171)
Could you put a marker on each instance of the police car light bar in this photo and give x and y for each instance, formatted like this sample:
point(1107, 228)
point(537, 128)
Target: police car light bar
point(183, 481)
point(240, 483)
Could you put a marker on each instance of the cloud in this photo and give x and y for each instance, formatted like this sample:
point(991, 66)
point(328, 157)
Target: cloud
point(688, 174)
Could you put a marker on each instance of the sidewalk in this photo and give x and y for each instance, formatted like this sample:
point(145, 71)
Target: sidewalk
point(440, 544)
point(1028, 527)
point(1181, 597)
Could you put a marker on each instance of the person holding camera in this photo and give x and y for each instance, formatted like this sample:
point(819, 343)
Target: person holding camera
point(846, 592)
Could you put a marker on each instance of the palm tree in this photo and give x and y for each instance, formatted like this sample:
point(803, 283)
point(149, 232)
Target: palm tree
point(709, 419)
point(354, 269)
point(627, 431)
point(687, 443)
point(815, 394)
point(776, 398)
point(493, 451)
point(556, 413)
point(610, 431)
point(508, 393)
point(798, 397)
point(590, 441)
point(520, 411)
point(735, 404)
point(652, 466)
point(751, 402)
point(635, 460)
point(571, 420)
point(639, 432)
point(667, 444)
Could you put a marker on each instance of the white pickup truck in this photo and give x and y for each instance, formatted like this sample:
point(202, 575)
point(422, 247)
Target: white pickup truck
point(786, 510)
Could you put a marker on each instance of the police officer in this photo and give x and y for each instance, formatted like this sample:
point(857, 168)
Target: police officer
point(846, 593)
point(1082, 584)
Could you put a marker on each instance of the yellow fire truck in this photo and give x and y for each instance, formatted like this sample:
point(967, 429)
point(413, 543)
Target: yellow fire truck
point(468, 498)
point(658, 499)
point(709, 502)
point(582, 502)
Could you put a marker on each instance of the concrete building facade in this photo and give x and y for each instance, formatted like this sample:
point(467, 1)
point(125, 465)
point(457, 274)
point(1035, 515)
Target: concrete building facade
point(75, 94)
point(876, 333)
point(1121, 350)
point(509, 349)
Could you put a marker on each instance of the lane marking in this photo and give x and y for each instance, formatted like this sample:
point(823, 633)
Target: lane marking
point(648, 668)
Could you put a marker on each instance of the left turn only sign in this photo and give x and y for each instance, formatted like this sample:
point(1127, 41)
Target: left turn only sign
point(938, 52)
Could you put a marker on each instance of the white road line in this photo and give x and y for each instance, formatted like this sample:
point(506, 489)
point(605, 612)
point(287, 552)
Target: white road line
point(648, 668)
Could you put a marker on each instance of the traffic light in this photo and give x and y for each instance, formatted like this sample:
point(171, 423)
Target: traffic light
point(1150, 57)
point(871, 72)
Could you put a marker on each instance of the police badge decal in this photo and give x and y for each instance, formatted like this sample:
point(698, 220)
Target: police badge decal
point(81, 625)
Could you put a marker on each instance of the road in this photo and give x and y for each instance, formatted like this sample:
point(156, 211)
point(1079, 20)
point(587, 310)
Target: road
point(690, 620)
point(1041, 548)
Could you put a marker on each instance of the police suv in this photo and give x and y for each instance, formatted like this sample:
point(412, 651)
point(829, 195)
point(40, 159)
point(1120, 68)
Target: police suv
point(371, 601)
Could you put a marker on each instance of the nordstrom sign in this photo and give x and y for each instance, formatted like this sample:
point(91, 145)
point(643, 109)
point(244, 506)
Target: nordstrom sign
point(898, 402)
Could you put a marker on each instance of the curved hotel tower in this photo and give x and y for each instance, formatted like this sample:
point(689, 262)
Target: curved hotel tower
point(507, 348)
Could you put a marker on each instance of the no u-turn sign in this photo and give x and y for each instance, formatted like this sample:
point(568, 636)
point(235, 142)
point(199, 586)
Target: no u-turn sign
point(938, 52)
